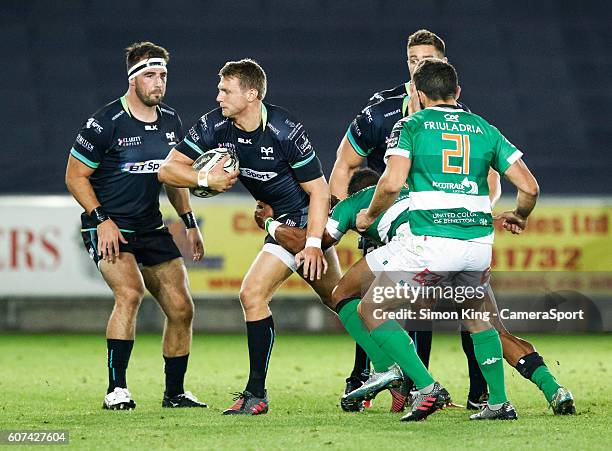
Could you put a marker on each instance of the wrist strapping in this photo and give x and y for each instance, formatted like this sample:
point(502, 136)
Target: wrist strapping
point(312, 241)
point(99, 215)
point(189, 220)
point(203, 178)
point(271, 225)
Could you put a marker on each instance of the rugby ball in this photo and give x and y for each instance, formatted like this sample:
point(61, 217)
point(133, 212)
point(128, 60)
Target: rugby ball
point(207, 161)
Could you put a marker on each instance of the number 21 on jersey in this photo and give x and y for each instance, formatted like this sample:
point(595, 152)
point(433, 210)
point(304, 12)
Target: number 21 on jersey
point(461, 150)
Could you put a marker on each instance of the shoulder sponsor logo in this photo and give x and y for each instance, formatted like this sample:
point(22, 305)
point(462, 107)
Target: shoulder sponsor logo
point(273, 128)
point(392, 141)
point(129, 141)
point(303, 144)
point(465, 187)
point(451, 117)
point(294, 132)
point(151, 128)
point(195, 137)
point(83, 142)
point(290, 123)
point(92, 123)
point(368, 113)
point(142, 167)
point(392, 113)
point(117, 115)
point(218, 124)
point(171, 137)
point(165, 110)
point(267, 151)
point(261, 176)
point(245, 140)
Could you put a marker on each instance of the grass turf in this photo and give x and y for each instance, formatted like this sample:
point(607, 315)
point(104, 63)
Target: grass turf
point(58, 381)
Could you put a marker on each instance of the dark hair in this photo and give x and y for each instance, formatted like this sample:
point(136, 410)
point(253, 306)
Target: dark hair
point(249, 74)
point(141, 50)
point(436, 79)
point(362, 178)
point(426, 37)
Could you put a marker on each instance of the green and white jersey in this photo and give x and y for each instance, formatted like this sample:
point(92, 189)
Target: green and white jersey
point(451, 152)
point(344, 216)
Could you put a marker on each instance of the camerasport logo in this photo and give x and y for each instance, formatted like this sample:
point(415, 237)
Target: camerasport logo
point(142, 167)
point(129, 141)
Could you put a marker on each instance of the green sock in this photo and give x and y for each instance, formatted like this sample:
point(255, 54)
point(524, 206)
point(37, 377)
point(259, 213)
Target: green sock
point(545, 381)
point(488, 350)
point(399, 346)
point(354, 326)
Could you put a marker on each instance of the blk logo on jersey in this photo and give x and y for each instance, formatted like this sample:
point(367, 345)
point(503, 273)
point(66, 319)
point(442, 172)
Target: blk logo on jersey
point(256, 175)
point(267, 151)
point(151, 128)
point(245, 141)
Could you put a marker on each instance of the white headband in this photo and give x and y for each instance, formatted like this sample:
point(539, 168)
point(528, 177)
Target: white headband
point(139, 68)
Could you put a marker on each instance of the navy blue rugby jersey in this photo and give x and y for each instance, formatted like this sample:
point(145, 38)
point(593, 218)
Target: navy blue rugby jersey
point(274, 159)
point(126, 155)
point(371, 128)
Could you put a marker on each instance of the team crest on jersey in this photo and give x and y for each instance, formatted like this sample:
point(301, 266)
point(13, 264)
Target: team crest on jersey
point(129, 141)
point(267, 151)
point(171, 137)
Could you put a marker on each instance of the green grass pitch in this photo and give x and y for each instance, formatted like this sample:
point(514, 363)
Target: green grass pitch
point(58, 381)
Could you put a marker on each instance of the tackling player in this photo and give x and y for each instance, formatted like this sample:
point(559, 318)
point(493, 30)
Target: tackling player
point(435, 151)
point(519, 353)
point(366, 141)
point(112, 173)
point(278, 165)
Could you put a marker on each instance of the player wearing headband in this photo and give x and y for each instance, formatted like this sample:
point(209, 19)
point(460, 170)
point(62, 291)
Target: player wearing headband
point(112, 173)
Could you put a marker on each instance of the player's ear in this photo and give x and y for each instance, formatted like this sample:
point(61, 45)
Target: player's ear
point(252, 95)
point(457, 92)
point(422, 98)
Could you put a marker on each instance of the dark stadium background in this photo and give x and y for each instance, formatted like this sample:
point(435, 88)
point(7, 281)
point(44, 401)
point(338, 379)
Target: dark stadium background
point(540, 71)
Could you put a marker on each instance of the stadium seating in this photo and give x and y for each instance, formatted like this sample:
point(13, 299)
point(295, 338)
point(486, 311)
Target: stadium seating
point(540, 74)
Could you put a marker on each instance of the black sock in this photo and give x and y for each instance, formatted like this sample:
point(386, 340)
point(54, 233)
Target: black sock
point(422, 343)
point(260, 336)
point(175, 368)
point(118, 357)
point(361, 368)
point(478, 384)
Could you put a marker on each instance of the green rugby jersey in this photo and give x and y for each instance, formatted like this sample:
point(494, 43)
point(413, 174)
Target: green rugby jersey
point(451, 152)
point(385, 227)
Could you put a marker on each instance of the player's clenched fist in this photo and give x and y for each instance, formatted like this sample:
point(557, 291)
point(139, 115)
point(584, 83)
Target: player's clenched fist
point(220, 180)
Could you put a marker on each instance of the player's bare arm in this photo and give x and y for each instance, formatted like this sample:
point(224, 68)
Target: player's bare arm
point(314, 262)
point(176, 171)
point(291, 238)
point(179, 198)
point(77, 182)
point(387, 189)
point(493, 180)
point(347, 162)
point(520, 176)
